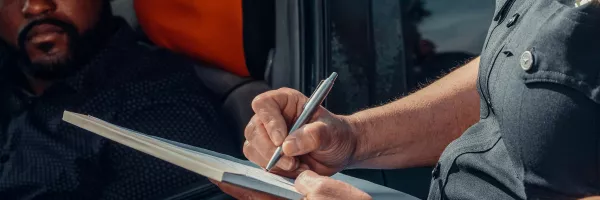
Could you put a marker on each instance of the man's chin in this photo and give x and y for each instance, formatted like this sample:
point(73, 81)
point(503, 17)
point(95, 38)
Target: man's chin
point(50, 68)
point(50, 60)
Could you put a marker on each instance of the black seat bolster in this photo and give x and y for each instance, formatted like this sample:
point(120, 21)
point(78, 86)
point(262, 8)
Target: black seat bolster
point(238, 104)
point(235, 93)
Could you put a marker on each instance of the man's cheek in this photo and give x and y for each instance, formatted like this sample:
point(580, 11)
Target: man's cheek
point(9, 29)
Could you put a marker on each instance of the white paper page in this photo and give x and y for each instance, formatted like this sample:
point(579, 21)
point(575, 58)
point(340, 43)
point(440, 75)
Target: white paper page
point(130, 140)
point(212, 161)
point(242, 169)
point(234, 167)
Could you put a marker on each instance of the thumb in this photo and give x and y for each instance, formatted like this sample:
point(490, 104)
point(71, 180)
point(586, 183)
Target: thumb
point(313, 186)
point(309, 138)
point(307, 182)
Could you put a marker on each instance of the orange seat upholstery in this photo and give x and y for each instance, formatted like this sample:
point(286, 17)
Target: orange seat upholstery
point(206, 30)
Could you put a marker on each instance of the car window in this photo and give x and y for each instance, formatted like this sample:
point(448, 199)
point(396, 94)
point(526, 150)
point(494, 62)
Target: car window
point(384, 49)
point(458, 25)
point(449, 34)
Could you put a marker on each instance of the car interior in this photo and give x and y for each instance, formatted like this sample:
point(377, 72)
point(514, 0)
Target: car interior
point(232, 57)
point(233, 63)
point(246, 47)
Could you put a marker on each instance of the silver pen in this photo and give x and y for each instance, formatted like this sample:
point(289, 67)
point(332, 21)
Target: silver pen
point(313, 103)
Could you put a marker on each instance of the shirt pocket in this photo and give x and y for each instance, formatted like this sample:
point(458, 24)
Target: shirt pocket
point(566, 51)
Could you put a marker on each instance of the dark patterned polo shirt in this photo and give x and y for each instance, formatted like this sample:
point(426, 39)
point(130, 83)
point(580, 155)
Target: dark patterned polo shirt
point(151, 91)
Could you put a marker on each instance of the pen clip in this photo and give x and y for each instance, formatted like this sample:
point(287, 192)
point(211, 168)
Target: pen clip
point(313, 94)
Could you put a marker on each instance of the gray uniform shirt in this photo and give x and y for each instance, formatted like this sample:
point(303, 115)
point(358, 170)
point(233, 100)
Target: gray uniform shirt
point(539, 132)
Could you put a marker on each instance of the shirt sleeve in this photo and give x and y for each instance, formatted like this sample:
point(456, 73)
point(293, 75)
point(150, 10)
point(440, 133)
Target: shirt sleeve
point(182, 117)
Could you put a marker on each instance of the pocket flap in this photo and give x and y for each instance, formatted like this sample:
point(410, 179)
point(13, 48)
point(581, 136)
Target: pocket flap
point(567, 51)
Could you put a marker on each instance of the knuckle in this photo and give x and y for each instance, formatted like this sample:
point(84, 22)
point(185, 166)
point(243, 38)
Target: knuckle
point(251, 134)
point(294, 95)
point(273, 124)
point(264, 116)
point(246, 150)
point(250, 153)
point(261, 99)
point(253, 130)
point(286, 90)
point(289, 90)
point(249, 129)
point(258, 98)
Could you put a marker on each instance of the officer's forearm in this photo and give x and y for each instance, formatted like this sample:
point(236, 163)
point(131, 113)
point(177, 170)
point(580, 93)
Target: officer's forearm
point(414, 130)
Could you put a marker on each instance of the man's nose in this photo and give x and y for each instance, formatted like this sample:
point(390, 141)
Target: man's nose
point(35, 8)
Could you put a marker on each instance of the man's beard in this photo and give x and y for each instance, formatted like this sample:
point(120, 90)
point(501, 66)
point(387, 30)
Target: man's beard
point(81, 48)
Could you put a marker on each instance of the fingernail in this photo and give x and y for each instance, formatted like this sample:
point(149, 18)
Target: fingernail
point(290, 148)
point(288, 164)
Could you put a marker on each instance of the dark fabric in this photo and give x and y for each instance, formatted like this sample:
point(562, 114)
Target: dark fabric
point(539, 133)
point(259, 34)
point(150, 91)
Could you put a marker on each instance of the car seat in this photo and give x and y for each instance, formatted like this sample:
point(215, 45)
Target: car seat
point(232, 40)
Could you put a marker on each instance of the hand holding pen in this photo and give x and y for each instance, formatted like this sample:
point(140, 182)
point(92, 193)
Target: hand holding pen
point(319, 140)
point(313, 103)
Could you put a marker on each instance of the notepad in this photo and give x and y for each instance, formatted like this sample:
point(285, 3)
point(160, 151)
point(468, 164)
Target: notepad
point(219, 167)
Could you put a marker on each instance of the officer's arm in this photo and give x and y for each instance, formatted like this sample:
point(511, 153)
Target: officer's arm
point(414, 130)
point(592, 198)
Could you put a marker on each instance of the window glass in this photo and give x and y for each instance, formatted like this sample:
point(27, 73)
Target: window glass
point(457, 25)
point(351, 54)
point(383, 49)
point(448, 34)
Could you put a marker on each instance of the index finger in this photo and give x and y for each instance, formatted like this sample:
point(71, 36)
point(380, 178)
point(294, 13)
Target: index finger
point(269, 107)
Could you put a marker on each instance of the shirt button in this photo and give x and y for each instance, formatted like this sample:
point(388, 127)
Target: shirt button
point(4, 158)
point(436, 171)
point(526, 60)
point(513, 20)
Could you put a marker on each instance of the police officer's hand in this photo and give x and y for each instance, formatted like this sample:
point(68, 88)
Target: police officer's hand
point(316, 187)
point(311, 185)
point(592, 198)
point(324, 145)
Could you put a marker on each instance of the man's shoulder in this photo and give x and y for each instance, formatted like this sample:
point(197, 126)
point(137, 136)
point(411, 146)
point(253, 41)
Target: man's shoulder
point(155, 62)
point(158, 68)
point(157, 74)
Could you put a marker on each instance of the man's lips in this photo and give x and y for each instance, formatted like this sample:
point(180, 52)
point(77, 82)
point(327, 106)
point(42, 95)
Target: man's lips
point(43, 32)
point(44, 38)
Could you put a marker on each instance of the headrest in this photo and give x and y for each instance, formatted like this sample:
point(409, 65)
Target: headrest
point(207, 30)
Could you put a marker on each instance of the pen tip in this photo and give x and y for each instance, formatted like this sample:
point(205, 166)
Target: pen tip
point(269, 167)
